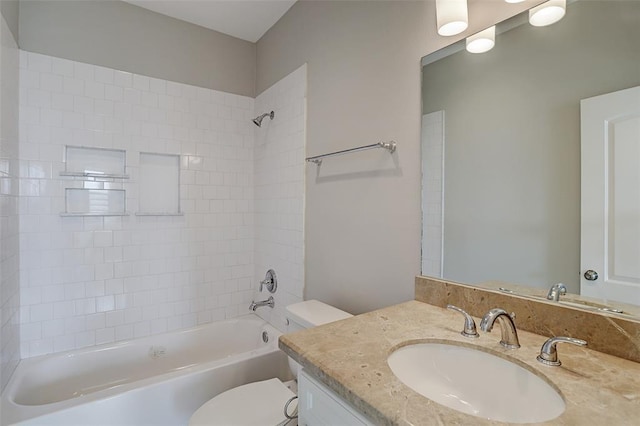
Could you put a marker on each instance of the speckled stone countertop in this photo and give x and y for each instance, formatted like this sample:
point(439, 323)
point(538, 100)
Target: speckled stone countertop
point(350, 357)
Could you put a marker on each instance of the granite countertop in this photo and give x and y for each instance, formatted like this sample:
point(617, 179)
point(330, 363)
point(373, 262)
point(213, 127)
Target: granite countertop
point(350, 357)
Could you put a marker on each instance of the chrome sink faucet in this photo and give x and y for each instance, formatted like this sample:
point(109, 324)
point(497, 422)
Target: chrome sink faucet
point(255, 305)
point(556, 291)
point(509, 334)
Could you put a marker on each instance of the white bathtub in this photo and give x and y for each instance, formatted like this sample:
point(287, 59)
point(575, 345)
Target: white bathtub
point(159, 380)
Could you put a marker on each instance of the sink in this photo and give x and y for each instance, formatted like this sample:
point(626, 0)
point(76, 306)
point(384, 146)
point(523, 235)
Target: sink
point(476, 382)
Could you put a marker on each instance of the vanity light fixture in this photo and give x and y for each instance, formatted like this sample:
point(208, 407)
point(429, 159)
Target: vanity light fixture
point(483, 41)
point(547, 13)
point(452, 16)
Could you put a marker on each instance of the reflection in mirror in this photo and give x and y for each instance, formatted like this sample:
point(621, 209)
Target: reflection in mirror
point(502, 146)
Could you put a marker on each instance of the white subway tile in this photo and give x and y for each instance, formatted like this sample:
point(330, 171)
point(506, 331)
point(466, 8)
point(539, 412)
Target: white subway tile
point(95, 321)
point(94, 90)
point(114, 93)
point(105, 335)
point(73, 86)
point(94, 288)
point(37, 62)
point(53, 293)
point(64, 309)
point(104, 107)
point(30, 296)
point(53, 328)
point(85, 306)
point(123, 79)
point(42, 312)
point(72, 120)
point(84, 339)
point(82, 239)
point(132, 96)
point(124, 332)
point(62, 67)
point(104, 75)
point(103, 266)
point(64, 343)
point(141, 82)
point(62, 102)
point(29, 79)
point(51, 82)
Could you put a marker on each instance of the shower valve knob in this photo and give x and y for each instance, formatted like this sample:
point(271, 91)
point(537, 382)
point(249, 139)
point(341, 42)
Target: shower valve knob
point(270, 281)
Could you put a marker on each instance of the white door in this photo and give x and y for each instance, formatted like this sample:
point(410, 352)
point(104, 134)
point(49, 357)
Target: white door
point(610, 228)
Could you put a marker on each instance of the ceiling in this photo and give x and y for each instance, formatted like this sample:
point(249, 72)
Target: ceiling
point(245, 19)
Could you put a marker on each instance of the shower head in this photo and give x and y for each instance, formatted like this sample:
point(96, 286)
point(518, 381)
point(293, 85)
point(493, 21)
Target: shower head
point(258, 120)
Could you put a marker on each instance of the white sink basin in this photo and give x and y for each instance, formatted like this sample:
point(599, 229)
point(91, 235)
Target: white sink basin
point(476, 383)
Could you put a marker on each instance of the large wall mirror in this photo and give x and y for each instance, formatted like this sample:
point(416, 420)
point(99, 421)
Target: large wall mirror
point(502, 146)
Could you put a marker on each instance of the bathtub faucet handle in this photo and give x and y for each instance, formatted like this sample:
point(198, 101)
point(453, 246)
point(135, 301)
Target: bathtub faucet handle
point(270, 281)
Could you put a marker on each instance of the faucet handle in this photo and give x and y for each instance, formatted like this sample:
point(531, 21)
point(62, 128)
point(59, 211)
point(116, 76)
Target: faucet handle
point(270, 281)
point(469, 324)
point(548, 352)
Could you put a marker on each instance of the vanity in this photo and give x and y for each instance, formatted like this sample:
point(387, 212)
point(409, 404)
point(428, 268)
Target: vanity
point(347, 371)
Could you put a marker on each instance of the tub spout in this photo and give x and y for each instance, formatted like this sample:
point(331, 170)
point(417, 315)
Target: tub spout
point(255, 305)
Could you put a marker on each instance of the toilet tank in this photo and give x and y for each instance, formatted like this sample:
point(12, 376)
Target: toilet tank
point(312, 313)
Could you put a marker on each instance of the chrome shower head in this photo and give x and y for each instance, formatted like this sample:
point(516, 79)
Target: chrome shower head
point(258, 120)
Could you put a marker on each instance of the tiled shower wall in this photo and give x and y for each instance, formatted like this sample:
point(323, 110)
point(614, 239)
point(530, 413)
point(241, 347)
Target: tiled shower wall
point(93, 280)
point(279, 191)
point(9, 219)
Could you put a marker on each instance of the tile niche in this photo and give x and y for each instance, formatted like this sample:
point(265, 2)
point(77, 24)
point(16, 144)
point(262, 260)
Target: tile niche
point(97, 183)
point(96, 188)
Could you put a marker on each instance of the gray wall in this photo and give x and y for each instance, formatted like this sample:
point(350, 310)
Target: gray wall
point(362, 210)
point(118, 35)
point(9, 10)
point(512, 180)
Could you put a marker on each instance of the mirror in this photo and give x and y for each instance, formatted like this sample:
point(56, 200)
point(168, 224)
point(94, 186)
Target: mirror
point(501, 144)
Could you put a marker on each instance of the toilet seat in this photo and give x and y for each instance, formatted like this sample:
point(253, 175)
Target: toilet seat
point(254, 404)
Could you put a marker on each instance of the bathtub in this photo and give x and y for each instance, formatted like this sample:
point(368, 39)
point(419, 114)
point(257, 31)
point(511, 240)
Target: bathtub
point(159, 380)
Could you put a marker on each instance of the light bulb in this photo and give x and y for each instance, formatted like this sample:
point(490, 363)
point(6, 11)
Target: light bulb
point(483, 41)
point(451, 16)
point(547, 13)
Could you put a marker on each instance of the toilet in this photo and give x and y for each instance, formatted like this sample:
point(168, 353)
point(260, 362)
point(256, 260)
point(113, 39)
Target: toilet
point(262, 403)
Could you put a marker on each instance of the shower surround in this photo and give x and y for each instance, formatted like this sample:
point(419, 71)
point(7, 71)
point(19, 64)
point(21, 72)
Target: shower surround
point(9, 219)
point(98, 279)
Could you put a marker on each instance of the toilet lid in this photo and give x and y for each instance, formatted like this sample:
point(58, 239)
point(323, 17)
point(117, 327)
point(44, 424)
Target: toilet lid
point(255, 404)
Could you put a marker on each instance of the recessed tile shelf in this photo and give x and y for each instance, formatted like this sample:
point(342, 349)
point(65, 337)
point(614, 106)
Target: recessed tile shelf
point(64, 214)
point(94, 202)
point(95, 163)
point(159, 214)
point(159, 185)
point(94, 175)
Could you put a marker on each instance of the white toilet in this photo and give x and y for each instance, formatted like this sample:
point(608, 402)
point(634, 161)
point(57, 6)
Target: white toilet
point(262, 403)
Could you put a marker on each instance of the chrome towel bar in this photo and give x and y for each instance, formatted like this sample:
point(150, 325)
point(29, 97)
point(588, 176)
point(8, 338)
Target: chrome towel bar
point(389, 146)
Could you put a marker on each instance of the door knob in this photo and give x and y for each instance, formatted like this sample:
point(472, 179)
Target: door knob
point(591, 275)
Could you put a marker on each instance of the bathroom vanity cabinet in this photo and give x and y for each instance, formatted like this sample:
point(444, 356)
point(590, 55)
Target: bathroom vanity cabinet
point(319, 405)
